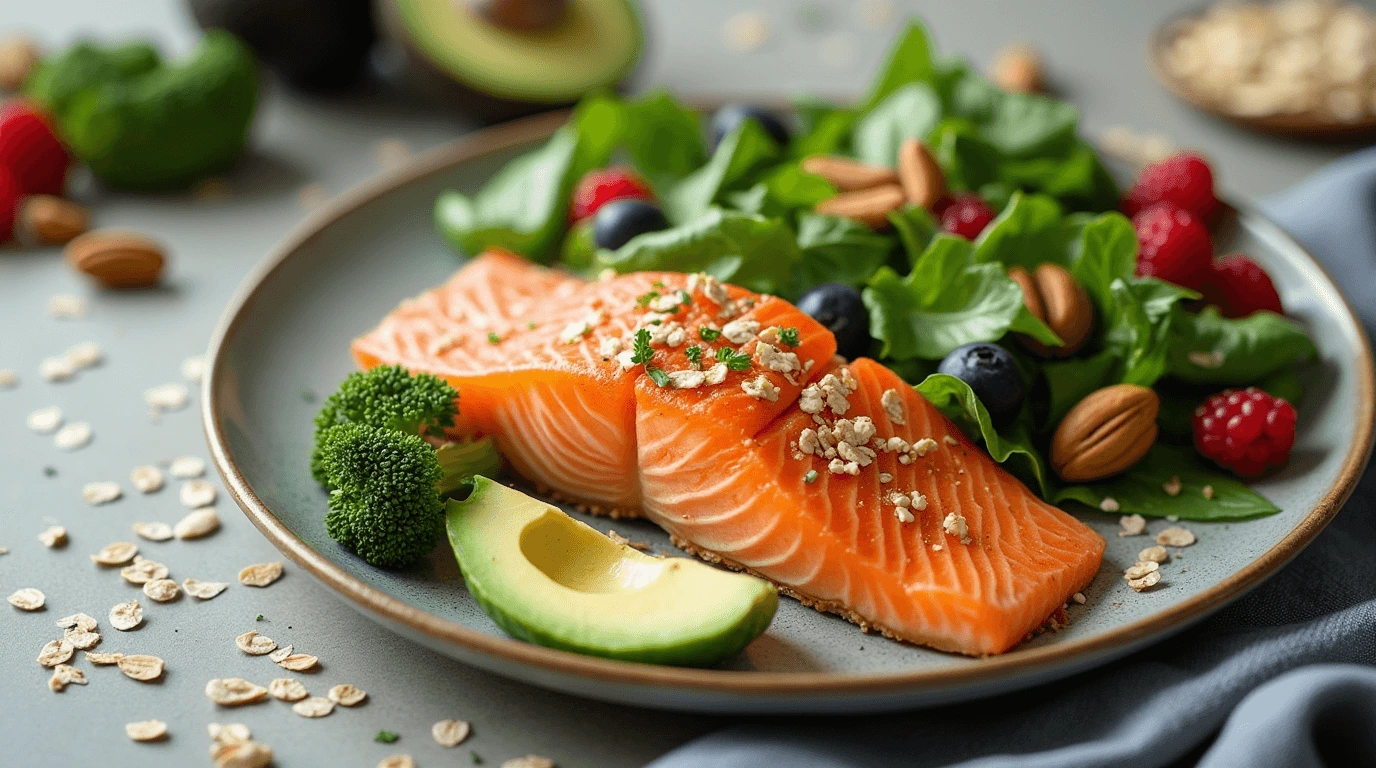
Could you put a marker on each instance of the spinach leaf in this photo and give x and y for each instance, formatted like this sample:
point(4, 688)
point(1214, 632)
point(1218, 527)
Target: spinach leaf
point(1141, 490)
point(663, 137)
point(1018, 125)
point(785, 190)
point(944, 302)
point(967, 161)
point(916, 228)
point(909, 61)
point(954, 398)
point(522, 208)
point(1104, 249)
point(741, 154)
point(1078, 179)
point(911, 111)
point(825, 130)
point(1070, 381)
point(578, 251)
point(1026, 233)
point(1208, 348)
point(1138, 324)
point(751, 251)
point(837, 250)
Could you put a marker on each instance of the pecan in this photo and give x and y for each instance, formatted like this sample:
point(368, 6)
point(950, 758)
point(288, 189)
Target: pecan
point(1105, 433)
point(1053, 295)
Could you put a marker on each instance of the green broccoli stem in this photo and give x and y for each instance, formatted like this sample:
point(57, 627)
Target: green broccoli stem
point(460, 461)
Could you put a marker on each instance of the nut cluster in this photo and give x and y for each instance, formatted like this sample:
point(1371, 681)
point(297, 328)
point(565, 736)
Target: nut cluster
point(868, 193)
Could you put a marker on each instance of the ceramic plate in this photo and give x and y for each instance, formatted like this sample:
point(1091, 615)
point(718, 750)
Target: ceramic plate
point(286, 335)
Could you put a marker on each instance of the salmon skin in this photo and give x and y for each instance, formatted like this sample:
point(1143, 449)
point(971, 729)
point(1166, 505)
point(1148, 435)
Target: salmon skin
point(834, 480)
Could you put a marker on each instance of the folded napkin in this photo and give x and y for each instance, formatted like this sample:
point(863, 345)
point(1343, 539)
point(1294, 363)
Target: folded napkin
point(1272, 681)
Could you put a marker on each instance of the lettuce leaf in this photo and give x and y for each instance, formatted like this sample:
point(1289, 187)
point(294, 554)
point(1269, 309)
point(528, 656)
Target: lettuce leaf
point(1208, 348)
point(1141, 490)
point(1027, 232)
point(1012, 448)
point(909, 112)
point(909, 60)
point(837, 250)
point(741, 155)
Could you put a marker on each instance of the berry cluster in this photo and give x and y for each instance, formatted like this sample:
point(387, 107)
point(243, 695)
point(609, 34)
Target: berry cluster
point(32, 160)
point(1247, 431)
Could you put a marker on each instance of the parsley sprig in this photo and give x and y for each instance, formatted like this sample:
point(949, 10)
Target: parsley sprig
point(736, 361)
point(694, 354)
point(642, 354)
point(708, 334)
point(789, 337)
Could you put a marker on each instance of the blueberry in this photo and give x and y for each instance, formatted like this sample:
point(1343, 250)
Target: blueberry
point(615, 223)
point(727, 118)
point(992, 374)
point(839, 308)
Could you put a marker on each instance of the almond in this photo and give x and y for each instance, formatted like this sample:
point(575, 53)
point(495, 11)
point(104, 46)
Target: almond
point(1105, 433)
point(919, 174)
point(51, 220)
point(18, 55)
point(868, 206)
point(848, 175)
point(117, 258)
point(1018, 69)
point(1056, 298)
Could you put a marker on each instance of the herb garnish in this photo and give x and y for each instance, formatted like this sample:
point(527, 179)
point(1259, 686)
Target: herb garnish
point(694, 354)
point(810, 476)
point(531, 326)
point(641, 348)
point(644, 299)
point(708, 334)
point(657, 375)
point(260, 617)
point(736, 361)
point(493, 338)
point(385, 737)
point(789, 337)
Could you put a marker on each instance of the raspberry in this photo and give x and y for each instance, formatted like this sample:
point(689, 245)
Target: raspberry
point(1183, 180)
point(1239, 286)
point(601, 186)
point(1246, 431)
point(30, 150)
point(1173, 246)
point(965, 214)
point(9, 202)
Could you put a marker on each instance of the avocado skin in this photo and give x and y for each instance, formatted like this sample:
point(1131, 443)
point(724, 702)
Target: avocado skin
point(314, 45)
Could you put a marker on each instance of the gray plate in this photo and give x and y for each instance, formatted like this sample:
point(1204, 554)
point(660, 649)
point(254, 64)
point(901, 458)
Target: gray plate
point(287, 333)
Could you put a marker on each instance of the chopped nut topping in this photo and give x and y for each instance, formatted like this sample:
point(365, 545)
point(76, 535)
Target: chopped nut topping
point(770, 357)
point(1109, 504)
point(203, 590)
point(56, 652)
point(450, 733)
point(153, 531)
point(903, 515)
point(811, 399)
point(197, 493)
point(140, 667)
point(575, 331)
point(740, 331)
point(146, 730)
point(835, 390)
point(195, 525)
point(761, 388)
point(126, 616)
point(55, 536)
point(955, 525)
point(1132, 525)
point(287, 689)
point(1157, 554)
point(1172, 486)
point(949, 440)
point(1079, 598)
point(892, 403)
point(1175, 537)
point(715, 375)
point(118, 553)
point(73, 436)
point(146, 479)
point(186, 467)
point(687, 379)
point(99, 493)
point(234, 692)
point(45, 421)
point(924, 446)
point(347, 695)
point(260, 574)
point(838, 467)
point(315, 706)
point(63, 676)
point(1208, 491)
point(609, 347)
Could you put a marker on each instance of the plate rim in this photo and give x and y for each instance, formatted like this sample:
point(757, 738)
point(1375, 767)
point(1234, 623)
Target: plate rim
point(509, 135)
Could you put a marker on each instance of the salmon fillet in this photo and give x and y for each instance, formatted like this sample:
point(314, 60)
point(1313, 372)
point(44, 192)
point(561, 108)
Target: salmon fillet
point(834, 480)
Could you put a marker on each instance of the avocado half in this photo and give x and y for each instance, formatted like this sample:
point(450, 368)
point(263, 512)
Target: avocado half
point(453, 51)
point(549, 579)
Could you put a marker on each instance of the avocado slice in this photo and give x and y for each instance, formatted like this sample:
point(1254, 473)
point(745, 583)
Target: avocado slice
point(549, 579)
point(497, 70)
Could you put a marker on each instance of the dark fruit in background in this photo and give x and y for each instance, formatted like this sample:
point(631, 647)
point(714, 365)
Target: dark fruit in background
point(729, 117)
point(620, 220)
point(312, 44)
point(840, 308)
point(993, 375)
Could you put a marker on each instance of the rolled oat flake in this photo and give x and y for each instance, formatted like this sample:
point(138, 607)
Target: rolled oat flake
point(287, 689)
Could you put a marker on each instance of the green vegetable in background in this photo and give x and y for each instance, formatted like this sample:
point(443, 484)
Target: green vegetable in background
point(143, 123)
point(909, 112)
point(837, 250)
point(739, 157)
point(1142, 490)
point(1026, 233)
point(946, 301)
point(1208, 348)
point(954, 398)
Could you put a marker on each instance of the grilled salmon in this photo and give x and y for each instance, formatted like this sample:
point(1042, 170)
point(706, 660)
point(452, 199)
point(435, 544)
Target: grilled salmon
point(735, 427)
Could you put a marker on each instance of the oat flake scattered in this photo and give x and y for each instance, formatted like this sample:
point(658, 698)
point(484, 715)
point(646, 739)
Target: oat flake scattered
point(298, 662)
point(529, 761)
point(162, 590)
point(56, 368)
point(203, 590)
point(146, 479)
point(234, 691)
point(27, 599)
point(197, 493)
point(241, 754)
point(280, 653)
point(1079, 598)
point(73, 436)
point(153, 531)
point(81, 639)
point(1109, 504)
point(186, 466)
point(315, 706)
point(66, 306)
point(117, 553)
point(228, 733)
point(146, 730)
point(1146, 582)
point(8, 379)
point(87, 354)
point(260, 574)
point(103, 659)
point(141, 667)
point(126, 616)
point(1132, 525)
point(1157, 554)
point(195, 525)
point(1175, 537)
point(450, 733)
point(1139, 569)
point(56, 652)
point(347, 695)
point(255, 644)
point(77, 621)
point(55, 536)
point(101, 492)
point(143, 571)
point(287, 689)
point(167, 397)
point(193, 368)
point(45, 420)
point(65, 675)
point(397, 761)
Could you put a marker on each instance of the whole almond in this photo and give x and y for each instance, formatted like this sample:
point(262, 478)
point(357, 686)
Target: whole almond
point(919, 174)
point(18, 55)
point(1055, 297)
point(848, 175)
point(1105, 433)
point(51, 220)
point(868, 206)
point(117, 258)
point(1018, 69)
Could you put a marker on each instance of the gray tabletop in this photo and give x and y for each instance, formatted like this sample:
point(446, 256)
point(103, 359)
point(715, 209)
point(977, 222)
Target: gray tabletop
point(1094, 53)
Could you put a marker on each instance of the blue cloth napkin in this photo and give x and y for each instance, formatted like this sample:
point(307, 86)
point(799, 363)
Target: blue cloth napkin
point(1272, 681)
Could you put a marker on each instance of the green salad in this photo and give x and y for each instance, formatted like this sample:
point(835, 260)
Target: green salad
point(742, 208)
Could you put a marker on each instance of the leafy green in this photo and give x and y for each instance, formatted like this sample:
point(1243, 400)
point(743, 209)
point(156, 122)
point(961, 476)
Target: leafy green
point(825, 129)
point(739, 157)
point(751, 251)
point(1018, 125)
point(736, 361)
point(783, 192)
point(908, 61)
point(837, 250)
point(916, 228)
point(1141, 490)
point(1070, 381)
point(967, 161)
point(641, 353)
point(1138, 324)
point(1026, 233)
point(579, 251)
point(663, 137)
point(954, 398)
point(1235, 352)
point(1103, 249)
point(944, 302)
point(909, 112)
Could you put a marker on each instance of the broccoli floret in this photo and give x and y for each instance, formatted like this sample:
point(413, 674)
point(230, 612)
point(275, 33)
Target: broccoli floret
point(387, 397)
point(383, 505)
point(460, 461)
